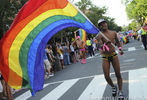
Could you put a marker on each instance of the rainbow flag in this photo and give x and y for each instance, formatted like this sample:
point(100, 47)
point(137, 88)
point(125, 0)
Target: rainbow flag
point(82, 34)
point(22, 47)
point(124, 39)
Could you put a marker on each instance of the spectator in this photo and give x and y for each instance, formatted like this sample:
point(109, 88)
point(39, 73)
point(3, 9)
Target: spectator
point(143, 32)
point(72, 53)
point(76, 51)
point(94, 44)
point(77, 54)
point(7, 94)
point(66, 53)
point(56, 64)
point(60, 51)
point(90, 48)
point(47, 64)
point(51, 59)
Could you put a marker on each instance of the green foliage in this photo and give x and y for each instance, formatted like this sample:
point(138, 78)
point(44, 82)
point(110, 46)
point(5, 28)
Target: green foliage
point(83, 5)
point(124, 29)
point(133, 26)
point(95, 13)
point(136, 10)
point(23, 1)
point(8, 11)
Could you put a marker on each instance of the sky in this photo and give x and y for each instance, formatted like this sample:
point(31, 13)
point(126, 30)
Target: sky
point(115, 10)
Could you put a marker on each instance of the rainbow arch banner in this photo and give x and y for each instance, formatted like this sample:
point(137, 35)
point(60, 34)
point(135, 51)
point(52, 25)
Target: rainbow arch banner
point(23, 45)
point(82, 34)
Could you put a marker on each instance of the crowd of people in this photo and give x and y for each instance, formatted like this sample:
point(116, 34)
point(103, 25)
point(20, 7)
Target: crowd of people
point(138, 34)
point(59, 54)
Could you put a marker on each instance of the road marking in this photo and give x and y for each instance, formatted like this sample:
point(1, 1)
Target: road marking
point(142, 46)
point(129, 60)
point(95, 89)
point(143, 67)
point(60, 90)
point(28, 94)
point(90, 57)
point(131, 49)
point(137, 83)
point(89, 76)
point(141, 76)
point(24, 96)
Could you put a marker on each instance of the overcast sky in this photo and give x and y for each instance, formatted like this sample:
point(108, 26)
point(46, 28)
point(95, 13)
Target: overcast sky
point(115, 10)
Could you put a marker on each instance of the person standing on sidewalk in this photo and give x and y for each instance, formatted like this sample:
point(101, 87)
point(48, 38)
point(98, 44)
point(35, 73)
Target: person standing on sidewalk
point(144, 35)
point(90, 48)
point(72, 53)
point(109, 55)
point(47, 64)
point(66, 53)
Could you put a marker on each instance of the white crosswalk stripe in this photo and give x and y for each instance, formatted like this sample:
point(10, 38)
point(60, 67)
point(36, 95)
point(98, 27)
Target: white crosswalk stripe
point(94, 89)
point(131, 49)
point(24, 96)
point(142, 46)
point(90, 57)
point(60, 90)
point(28, 94)
point(137, 80)
point(137, 83)
point(135, 48)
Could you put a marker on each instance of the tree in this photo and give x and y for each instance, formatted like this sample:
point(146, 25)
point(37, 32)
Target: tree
point(3, 4)
point(83, 5)
point(133, 26)
point(23, 1)
point(8, 11)
point(136, 10)
point(95, 13)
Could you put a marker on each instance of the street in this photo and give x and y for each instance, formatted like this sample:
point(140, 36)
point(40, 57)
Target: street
point(86, 81)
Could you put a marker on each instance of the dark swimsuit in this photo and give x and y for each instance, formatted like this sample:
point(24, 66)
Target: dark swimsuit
point(109, 57)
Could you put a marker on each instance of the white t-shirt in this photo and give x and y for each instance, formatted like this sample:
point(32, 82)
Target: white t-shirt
point(72, 48)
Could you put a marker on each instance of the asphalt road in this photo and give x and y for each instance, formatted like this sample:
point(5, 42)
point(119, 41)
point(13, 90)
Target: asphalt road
point(86, 81)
